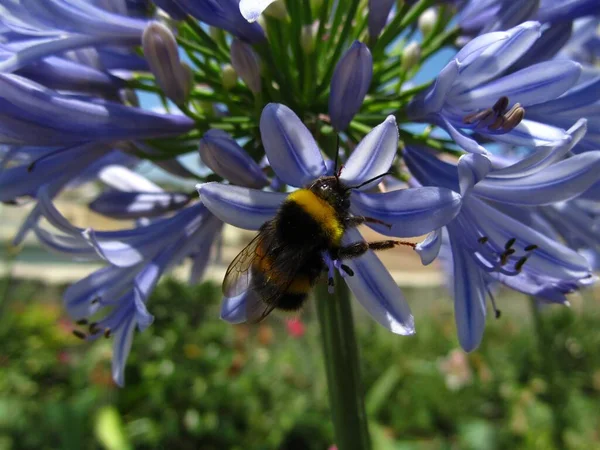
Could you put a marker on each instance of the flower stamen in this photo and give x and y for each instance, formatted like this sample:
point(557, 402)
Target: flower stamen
point(497, 118)
point(80, 334)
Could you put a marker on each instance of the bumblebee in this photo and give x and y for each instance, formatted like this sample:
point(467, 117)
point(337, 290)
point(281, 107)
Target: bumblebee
point(284, 261)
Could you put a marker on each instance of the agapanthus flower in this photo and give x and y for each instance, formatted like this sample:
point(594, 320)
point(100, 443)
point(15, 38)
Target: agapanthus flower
point(136, 259)
point(495, 234)
point(297, 161)
point(472, 96)
point(49, 28)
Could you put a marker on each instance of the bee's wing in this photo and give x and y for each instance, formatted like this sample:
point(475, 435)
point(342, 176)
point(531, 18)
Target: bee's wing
point(256, 308)
point(239, 274)
point(238, 278)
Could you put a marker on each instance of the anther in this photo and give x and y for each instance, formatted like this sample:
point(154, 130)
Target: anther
point(82, 322)
point(513, 117)
point(497, 124)
point(501, 105)
point(95, 300)
point(330, 281)
point(531, 247)
point(504, 259)
point(510, 243)
point(94, 328)
point(510, 251)
point(479, 116)
point(107, 333)
point(347, 269)
point(519, 263)
point(482, 239)
point(79, 334)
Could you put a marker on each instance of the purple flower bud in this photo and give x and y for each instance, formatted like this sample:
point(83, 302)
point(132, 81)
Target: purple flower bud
point(379, 10)
point(246, 63)
point(160, 49)
point(350, 84)
point(221, 153)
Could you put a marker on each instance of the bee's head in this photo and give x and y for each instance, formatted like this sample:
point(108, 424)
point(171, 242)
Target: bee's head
point(333, 191)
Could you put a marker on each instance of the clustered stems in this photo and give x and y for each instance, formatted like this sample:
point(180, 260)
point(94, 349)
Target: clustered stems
point(295, 76)
point(346, 396)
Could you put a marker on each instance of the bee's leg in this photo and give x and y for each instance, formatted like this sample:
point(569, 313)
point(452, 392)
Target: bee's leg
point(360, 248)
point(353, 222)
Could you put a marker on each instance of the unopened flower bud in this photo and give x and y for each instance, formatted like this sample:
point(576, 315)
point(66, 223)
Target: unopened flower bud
point(379, 11)
point(221, 153)
point(427, 21)
point(246, 63)
point(228, 77)
point(307, 39)
point(349, 84)
point(161, 52)
point(411, 55)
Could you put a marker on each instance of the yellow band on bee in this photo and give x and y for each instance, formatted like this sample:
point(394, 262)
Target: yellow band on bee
point(321, 211)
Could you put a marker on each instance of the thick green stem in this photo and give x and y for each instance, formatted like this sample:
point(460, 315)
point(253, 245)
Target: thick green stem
point(346, 396)
point(549, 372)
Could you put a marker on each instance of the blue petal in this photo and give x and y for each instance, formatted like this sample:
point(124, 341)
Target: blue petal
point(432, 100)
point(583, 94)
point(410, 212)
point(224, 14)
point(377, 292)
point(106, 282)
point(489, 60)
point(531, 134)
point(544, 156)
point(429, 249)
point(373, 156)
point(123, 338)
point(225, 157)
point(469, 298)
point(291, 149)
point(171, 8)
point(561, 181)
point(551, 258)
point(239, 206)
point(24, 180)
point(472, 168)
point(252, 9)
point(534, 84)
point(37, 115)
point(467, 143)
point(379, 11)
point(134, 205)
point(233, 310)
point(124, 179)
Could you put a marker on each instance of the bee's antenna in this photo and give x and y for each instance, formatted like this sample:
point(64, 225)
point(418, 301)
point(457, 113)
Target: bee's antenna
point(337, 154)
point(370, 180)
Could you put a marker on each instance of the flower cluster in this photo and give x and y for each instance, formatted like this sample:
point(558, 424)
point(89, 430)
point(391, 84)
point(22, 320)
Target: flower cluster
point(495, 158)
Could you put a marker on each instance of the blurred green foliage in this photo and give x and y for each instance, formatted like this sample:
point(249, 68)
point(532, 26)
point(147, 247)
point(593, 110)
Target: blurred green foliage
point(195, 382)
